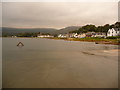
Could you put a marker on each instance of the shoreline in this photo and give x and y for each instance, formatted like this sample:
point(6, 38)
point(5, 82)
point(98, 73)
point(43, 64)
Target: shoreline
point(97, 41)
point(106, 41)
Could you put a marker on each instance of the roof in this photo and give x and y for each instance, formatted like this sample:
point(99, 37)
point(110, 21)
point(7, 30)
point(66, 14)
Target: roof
point(117, 29)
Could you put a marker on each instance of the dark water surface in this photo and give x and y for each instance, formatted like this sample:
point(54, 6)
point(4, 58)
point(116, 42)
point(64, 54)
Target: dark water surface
point(45, 63)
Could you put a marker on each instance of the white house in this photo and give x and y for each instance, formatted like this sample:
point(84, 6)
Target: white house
point(62, 36)
point(14, 36)
point(113, 32)
point(75, 35)
point(82, 35)
point(44, 36)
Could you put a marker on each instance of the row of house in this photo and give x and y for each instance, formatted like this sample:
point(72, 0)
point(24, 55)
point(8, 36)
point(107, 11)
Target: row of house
point(72, 35)
point(44, 36)
point(111, 32)
point(82, 35)
point(40, 35)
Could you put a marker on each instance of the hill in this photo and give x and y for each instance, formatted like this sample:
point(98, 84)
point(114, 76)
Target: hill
point(65, 30)
point(14, 31)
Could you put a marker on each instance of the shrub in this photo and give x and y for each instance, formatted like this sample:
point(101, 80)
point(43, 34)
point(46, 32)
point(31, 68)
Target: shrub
point(113, 37)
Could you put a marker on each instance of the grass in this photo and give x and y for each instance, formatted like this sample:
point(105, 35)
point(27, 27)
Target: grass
point(87, 39)
point(92, 39)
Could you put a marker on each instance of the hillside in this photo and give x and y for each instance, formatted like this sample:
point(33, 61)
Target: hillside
point(65, 30)
point(14, 31)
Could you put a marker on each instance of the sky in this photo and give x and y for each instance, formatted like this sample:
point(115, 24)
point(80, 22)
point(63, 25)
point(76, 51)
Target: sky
point(58, 14)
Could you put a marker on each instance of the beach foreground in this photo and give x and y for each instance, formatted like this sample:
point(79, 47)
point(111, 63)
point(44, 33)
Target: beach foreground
point(47, 63)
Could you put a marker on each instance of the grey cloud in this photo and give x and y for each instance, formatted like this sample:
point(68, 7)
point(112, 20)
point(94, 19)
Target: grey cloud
point(57, 15)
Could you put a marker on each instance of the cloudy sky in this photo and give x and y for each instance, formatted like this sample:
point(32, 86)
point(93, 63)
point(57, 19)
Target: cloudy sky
point(58, 14)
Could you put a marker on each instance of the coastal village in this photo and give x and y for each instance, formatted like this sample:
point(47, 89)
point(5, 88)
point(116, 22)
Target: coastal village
point(107, 34)
point(62, 44)
point(110, 33)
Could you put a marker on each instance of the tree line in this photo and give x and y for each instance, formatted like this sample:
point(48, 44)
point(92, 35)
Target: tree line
point(93, 28)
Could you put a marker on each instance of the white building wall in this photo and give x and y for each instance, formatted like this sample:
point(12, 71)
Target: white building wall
point(113, 32)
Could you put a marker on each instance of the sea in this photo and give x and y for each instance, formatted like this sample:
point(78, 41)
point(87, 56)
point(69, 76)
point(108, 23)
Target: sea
point(49, 63)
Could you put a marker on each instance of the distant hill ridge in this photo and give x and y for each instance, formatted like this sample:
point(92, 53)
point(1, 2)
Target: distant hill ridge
point(20, 30)
point(13, 31)
point(66, 30)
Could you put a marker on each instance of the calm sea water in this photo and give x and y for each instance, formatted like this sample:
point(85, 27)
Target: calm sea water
point(46, 63)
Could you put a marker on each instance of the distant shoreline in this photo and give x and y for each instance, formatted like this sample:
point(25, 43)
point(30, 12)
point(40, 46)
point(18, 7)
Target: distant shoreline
point(97, 41)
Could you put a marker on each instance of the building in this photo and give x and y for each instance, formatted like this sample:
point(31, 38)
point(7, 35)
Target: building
point(14, 36)
point(113, 32)
point(89, 34)
point(99, 34)
point(72, 35)
point(82, 35)
point(45, 36)
point(75, 35)
point(62, 36)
